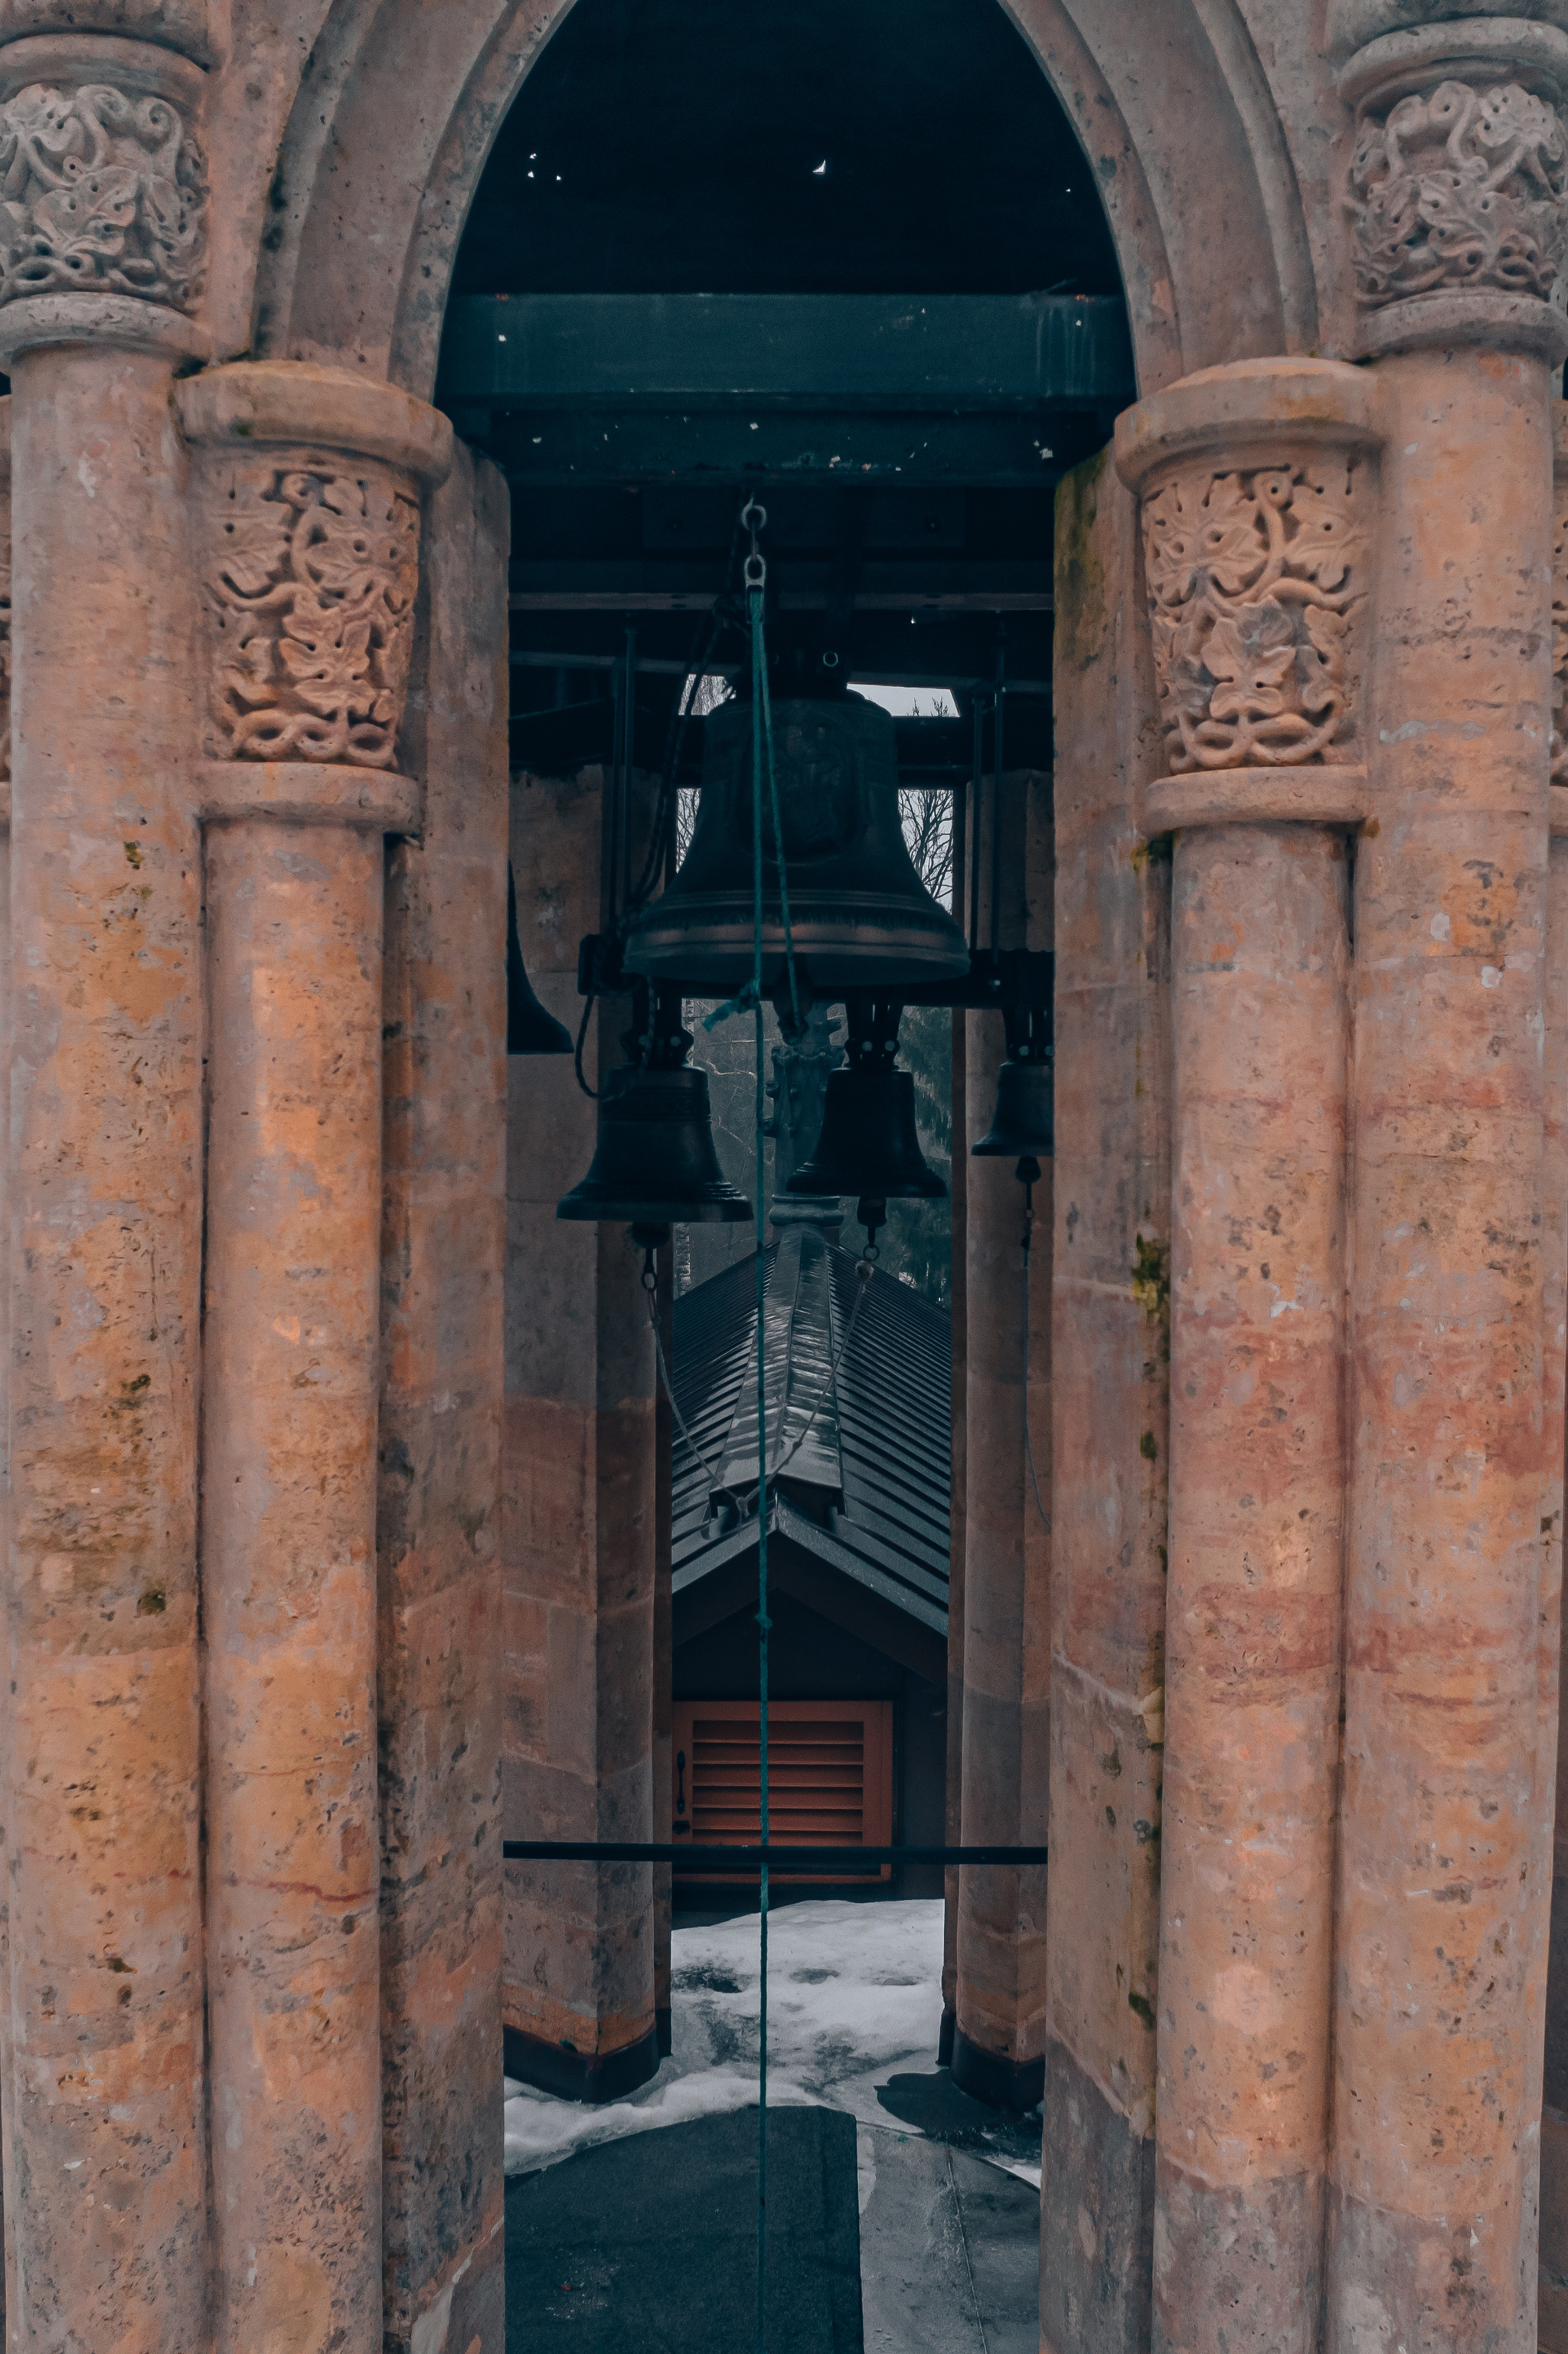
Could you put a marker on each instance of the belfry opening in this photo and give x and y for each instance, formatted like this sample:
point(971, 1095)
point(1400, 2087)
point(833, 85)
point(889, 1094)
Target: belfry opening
point(785, 1224)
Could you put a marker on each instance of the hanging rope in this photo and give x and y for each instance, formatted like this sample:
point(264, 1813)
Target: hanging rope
point(651, 1289)
point(718, 1486)
point(864, 1271)
point(754, 517)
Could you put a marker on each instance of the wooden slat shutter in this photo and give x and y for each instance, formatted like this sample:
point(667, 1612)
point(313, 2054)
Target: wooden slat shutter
point(829, 1777)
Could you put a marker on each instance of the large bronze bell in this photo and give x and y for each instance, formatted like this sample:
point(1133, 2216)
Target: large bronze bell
point(654, 1163)
point(531, 1029)
point(859, 914)
point(1024, 1125)
point(869, 1145)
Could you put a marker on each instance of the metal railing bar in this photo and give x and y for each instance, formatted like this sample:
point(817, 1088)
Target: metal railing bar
point(741, 1859)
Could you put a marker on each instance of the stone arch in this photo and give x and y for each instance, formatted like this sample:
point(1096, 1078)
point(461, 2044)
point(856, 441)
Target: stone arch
point(356, 205)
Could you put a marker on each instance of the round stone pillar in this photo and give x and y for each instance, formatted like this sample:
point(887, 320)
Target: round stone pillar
point(105, 2156)
point(4, 1156)
point(999, 2039)
point(1256, 487)
point(308, 518)
point(579, 1994)
point(1549, 1972)
point(1441, 1892)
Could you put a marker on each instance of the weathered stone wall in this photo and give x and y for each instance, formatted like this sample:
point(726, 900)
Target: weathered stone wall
point(577, 1515)
point(1111, 1444)
point(439, 1691)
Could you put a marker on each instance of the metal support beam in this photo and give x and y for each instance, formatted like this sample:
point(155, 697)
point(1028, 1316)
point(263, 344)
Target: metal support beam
point(688, 588)
point(554, 449)
point(870, 353)
point(532, 658)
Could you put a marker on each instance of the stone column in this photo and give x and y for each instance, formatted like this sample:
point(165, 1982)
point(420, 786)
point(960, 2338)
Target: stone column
point(1110, 1327)
point(1256, 492)
point(663, 1660)
point(104, 2105)
point(998, 2036)
point(578, 1496)
point(1432, 2237)
point(4, 1181)
point(308, 514)
point(1550, 1813)
point(439, 1670)
point(953, 1815)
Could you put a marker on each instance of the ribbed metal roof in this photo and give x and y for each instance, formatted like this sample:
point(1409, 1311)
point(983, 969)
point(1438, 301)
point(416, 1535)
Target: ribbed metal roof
point(885, 1426)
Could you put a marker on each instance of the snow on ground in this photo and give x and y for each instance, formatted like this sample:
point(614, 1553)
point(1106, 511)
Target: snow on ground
point(854, 1991)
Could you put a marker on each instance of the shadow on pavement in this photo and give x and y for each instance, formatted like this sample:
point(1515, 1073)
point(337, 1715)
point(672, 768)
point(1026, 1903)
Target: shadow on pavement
point(931, 2104)
point(648, 2245)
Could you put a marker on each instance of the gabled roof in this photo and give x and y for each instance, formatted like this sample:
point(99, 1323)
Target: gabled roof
point(866, 1493)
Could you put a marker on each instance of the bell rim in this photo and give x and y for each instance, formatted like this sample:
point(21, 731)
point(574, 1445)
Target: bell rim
point(912, 949)
point(685, 1213)
point(909, 1191)
point(991, 1148)
point(561, 1041)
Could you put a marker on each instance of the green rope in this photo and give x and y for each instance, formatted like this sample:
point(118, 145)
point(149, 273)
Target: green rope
point(759, 692)
point(759, 695)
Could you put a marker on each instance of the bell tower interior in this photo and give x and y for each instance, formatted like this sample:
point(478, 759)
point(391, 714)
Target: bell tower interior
point(848, 264)
point(860, 153)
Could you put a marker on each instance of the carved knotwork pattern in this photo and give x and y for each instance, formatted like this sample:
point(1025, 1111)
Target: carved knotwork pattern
point(101, 193)
point(1463, 189)
point(312, 596)
point(1251, 584)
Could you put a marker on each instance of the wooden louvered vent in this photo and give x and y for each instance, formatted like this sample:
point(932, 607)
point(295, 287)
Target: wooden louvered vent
point(829, 1777)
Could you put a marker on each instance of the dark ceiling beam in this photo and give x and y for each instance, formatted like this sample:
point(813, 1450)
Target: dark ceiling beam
point(538, 658)
point(838, 352)
point(609, 585)
point(561, 450)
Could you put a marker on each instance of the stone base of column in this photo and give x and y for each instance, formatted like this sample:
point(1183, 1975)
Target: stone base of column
point(945, 2034)
point(991, 2076)
point(1551, 2328)
point(1096, 2217)
point(1238, 2262)
point(584, 2076)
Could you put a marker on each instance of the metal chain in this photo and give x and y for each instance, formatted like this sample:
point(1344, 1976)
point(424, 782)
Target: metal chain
point(717, 1484)
point(650, 1288)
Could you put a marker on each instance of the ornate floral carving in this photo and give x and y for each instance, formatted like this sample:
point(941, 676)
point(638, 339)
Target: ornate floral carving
point(311, 592)
point(99, 193)
point(1466, 187)
point(1251, 586)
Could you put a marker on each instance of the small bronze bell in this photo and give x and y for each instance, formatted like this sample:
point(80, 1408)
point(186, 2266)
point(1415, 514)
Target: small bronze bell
point(858, 912)
point(530, 1028)
point(654, 1163)
point(869, 1145)
point(1023, 1126)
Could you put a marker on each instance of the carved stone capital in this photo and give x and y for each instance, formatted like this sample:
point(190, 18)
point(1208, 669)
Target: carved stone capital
point(1457, 186)
point(299, 792)
point(309, 507)
point(196, 29)
point(6, 608)
point(1350, 25)
point(103, 194)
point(1253, 482)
